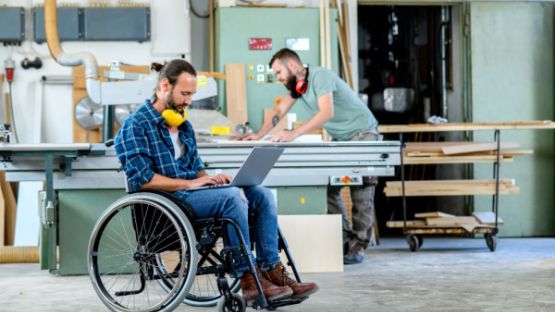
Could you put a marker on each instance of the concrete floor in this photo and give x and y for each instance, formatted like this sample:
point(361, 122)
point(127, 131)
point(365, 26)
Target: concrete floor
point(445, 275)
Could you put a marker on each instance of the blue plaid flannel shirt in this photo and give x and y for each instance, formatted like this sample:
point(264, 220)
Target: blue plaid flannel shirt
point(144, 147)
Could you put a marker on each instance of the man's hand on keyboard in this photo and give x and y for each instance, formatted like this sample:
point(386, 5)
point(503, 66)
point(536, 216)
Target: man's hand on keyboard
point(221, 179)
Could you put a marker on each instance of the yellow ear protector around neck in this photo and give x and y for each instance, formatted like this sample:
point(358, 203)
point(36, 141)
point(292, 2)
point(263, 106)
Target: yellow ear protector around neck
point(172, 117)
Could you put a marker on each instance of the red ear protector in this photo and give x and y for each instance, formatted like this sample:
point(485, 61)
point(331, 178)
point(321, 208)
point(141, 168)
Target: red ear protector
point(300, 87)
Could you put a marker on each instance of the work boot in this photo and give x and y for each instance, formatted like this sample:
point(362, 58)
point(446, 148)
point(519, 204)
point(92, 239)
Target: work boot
point(272, 292)
point(280, 277)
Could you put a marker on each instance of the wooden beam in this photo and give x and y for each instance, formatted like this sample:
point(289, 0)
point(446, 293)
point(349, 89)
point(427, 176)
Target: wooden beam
point(487, 217)
point(477, 147)
point(215, 75)
point(433, 214)
point(536, 124)
point(211, 29)
point(236, 93)
point(410, 223)
point(10, 208)
point(450, 187)
point(467, 159)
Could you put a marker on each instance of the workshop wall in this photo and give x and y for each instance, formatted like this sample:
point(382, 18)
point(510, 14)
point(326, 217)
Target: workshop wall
point(512, 80)
point(43, 113)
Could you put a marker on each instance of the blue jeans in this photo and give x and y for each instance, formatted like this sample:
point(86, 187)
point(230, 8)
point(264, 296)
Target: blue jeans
point(235, 203)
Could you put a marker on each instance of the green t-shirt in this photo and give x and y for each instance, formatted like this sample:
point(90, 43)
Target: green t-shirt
point(350, 115)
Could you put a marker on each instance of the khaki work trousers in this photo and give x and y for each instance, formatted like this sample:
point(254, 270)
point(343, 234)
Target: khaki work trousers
point(356, 235)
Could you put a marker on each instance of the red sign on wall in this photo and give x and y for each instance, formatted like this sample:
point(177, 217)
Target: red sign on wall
point(260, 43)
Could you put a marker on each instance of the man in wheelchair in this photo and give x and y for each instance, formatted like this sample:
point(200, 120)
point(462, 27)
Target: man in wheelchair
point(157, 148)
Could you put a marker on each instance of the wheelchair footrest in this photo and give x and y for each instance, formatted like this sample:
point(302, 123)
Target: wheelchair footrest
point(274, 304)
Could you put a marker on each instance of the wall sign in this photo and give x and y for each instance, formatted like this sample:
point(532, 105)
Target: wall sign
point(260, 44)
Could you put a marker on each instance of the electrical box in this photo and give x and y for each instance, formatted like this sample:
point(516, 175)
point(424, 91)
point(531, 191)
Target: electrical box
point(12, 24)
point(116, 24)
point(68, 24)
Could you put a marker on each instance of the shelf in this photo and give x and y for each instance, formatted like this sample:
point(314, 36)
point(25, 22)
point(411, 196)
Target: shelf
point(474, 126)
point(450, 187)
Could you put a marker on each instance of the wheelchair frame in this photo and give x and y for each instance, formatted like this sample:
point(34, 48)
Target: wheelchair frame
point(200, 238)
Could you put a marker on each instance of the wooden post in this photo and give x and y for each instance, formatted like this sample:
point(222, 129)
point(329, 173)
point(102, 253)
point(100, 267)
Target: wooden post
point(236, 93)
point(211, 8)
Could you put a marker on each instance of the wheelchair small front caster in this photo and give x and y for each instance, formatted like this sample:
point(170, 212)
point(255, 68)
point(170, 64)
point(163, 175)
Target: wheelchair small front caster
point(235, 303)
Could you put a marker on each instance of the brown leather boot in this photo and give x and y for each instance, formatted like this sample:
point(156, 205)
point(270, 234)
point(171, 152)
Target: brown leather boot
point(272, 292)
point(279, 276)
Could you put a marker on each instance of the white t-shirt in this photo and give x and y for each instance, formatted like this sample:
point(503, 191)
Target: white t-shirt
point(177, 144)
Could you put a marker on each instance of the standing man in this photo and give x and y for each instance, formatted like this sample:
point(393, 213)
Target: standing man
point(158, 150)
point(339, 110)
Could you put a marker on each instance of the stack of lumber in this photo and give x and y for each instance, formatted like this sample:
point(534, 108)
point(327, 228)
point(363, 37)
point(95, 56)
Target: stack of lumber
point(450, 187)
point(460, 152)
point(439, 219)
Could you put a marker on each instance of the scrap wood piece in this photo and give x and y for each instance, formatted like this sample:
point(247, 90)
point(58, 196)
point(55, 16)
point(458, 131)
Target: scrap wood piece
point(454, 220)
point(450, 187)
point(477, 147)
point(433, 214)
point(487, 217)
point(513, 153)
point(434, 147)
point(410, 223)
point(457, 159)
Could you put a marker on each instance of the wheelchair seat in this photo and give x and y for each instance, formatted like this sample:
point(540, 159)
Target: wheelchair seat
point(149, 252)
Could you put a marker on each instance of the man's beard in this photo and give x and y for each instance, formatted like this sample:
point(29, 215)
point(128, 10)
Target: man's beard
point(170, 102)
point(291, 82)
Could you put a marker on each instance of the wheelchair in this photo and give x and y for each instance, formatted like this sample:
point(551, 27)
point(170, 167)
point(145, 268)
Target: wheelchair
point(148, 252)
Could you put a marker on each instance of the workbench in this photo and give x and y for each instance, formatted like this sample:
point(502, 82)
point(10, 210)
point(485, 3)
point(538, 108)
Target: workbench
point(83, 179)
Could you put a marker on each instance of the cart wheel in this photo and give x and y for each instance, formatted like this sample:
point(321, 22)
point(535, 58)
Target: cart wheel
point(413, 242)
point(420, 240)
point(235, 304)
point(491, 241)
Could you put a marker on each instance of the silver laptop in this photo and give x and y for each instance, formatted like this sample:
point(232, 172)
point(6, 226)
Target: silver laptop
point(253, 171)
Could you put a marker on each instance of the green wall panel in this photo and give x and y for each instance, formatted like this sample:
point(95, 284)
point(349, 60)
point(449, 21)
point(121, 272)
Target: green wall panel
point(234, 28)
point(512, 80)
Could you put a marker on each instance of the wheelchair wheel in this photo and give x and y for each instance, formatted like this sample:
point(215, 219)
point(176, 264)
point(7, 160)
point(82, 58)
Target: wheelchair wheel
point(140, 240)
point(204, 290)
point(235, 304)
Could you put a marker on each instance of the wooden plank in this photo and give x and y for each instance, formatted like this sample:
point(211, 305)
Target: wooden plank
point(2, 220)
point(410, 223)
point(478, 126)
point(453, 220)
point(10, 254)
point(425, 160)
point(211, 29)
point(487, 217)
point(8, 108)
point(477, 147)
point(450, 187)
point(433, 214)
point(10, 208)
point(347, 41)
point(431, 230)
point(269, 113)
point(215, 75)
point(431, 146)
point(236, 93)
